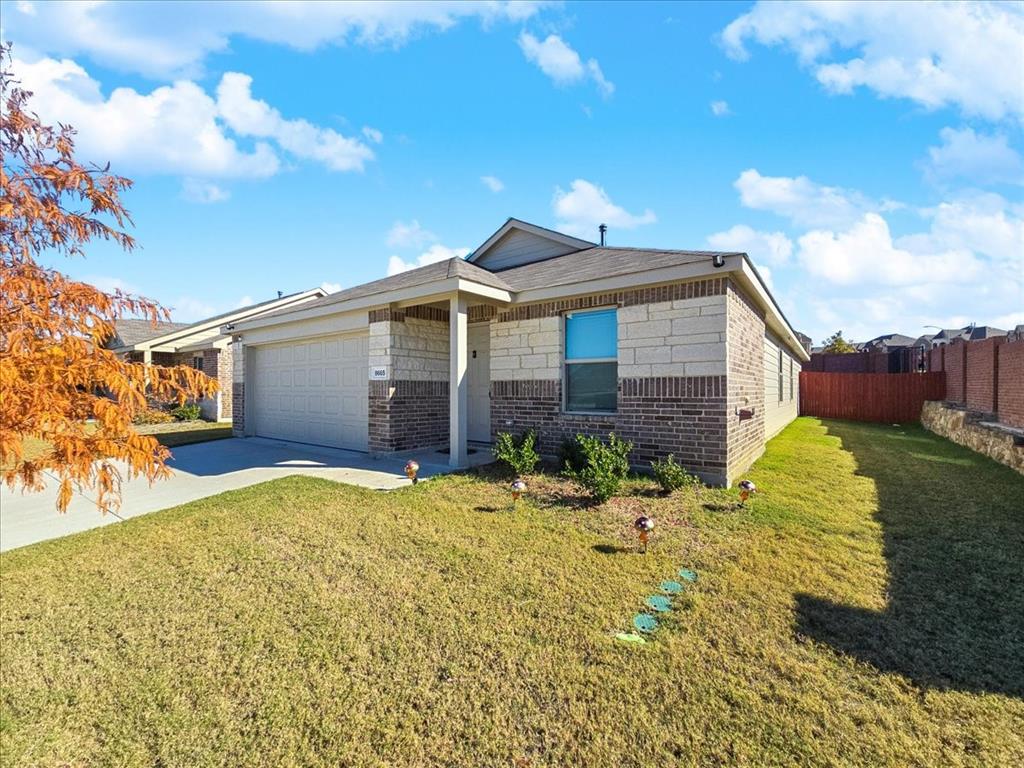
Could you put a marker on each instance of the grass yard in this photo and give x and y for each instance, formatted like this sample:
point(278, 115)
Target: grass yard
point(865, 609)
point(171, 434)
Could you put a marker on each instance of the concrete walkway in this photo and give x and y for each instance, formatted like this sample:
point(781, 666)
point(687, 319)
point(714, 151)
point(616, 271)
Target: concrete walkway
point(206, 469)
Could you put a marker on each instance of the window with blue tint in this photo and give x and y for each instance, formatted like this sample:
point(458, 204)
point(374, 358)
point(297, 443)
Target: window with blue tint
point(591, 361)
point(591, 335)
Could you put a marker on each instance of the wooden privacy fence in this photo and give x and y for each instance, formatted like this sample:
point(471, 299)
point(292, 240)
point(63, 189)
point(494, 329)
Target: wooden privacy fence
point(890, 398)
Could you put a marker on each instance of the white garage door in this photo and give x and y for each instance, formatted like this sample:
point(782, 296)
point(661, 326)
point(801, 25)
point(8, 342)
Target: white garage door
point(313, 391)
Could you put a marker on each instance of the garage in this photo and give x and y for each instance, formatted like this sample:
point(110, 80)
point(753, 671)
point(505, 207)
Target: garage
point(312, 391)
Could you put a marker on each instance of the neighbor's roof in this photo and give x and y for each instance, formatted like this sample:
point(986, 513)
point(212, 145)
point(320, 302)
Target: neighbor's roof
point(132, 330)
point(892, 340)
point(441, 270)
point(598, 262)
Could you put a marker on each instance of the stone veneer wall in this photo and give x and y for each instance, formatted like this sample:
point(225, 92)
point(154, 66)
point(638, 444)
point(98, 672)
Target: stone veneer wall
point(672, 394)
point(745, 383)
point(963, 427)
point(410, 408)
point(237, 352)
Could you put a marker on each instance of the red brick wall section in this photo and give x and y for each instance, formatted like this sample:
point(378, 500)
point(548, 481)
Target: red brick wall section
point(1011, 383)
point(956, 359)
point(407, 414)
point(745, 385)
point(936, 360)
point(982, 369)
point(685, 416)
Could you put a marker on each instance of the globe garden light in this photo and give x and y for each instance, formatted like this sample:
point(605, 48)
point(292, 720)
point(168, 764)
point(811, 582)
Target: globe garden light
point(411, 468)
point(644, 525)
point(518, 489)
point(747, 489)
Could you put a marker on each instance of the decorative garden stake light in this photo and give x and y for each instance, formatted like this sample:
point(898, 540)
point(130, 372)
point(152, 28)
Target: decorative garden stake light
point(644, 526)
point(411, 468)
point(747, 489)
point(518, 489)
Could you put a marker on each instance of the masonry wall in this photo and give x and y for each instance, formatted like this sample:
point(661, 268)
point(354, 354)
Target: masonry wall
point(237, 389)
point(410, 408)
point(672, 394)
point(745, 383)
point(982, 370)
point(956, 373)
point(1011, 383)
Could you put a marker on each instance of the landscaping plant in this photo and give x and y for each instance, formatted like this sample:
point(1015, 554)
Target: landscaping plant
point(671, 476)
point(153, 416)
point(518, 453)
point(187, 412)
point(605, 465)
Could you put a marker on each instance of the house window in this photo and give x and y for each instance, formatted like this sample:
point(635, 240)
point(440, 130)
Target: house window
point(197, 363)
point(591, 361)
point(780, 374)
point(791, 379)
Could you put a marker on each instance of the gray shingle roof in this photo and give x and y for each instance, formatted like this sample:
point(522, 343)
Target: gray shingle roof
point(598, 262)
point(128, 331)
point(441, 270)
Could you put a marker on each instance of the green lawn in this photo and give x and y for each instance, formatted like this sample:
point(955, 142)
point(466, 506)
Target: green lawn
point(865, 609)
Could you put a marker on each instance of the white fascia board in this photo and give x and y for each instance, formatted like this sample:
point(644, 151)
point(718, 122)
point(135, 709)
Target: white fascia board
point(748, 277)
point(217, 342)
point(169, 341)
point(416, 294)
point(533, 229)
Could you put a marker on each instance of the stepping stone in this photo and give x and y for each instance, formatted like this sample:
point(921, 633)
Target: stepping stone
point(671, 587)
point(645, 622)
point(686, 573)
point(659, 603)
point(630, 637)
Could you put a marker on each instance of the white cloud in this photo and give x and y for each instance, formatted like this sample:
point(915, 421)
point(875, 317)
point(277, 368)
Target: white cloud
point(245, 301)
point(205, 192)
point(720, 108)
point(977, 157)
point(586, 205)
point(372, 134)
point(411, 235)
point(26, 7)
point(253, 117)
point(559, 61)
point(958, 54)
point(173, 129)
point(493, 183)
point(805, 202)
point(331, 287)
point(435, 253)
point(766, 275)
point(152, 39)
point(985, 223)
point(865, 254)
point(188, 309)
point(763, 247)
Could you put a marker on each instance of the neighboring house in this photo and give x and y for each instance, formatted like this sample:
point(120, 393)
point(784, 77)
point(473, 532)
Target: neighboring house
point(682, 352)
point(200, 344)
point(886, 343)
point(967, 333)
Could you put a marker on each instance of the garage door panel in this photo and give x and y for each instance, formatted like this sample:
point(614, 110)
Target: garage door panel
point(313, 391)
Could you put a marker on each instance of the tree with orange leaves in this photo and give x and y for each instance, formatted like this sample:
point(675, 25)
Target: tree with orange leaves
point(57, 382)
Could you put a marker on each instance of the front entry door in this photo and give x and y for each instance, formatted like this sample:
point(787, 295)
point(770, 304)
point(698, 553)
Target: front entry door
point(478, 373)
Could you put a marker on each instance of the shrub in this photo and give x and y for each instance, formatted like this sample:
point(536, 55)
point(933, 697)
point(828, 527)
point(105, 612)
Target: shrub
point(605, 465)
point(520, 454)
point(570, 455)
point(152, 416)
point(187, 412)
point(671, 476)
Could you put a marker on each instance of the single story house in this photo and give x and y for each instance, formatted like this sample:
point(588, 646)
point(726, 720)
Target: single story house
point(682, 352)
point(201, 344)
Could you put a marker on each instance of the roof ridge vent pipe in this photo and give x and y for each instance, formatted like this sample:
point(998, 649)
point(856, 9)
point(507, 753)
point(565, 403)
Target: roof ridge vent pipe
point(602, 229)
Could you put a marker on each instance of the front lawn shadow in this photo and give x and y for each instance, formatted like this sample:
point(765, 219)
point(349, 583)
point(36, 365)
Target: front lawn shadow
point(953, 538)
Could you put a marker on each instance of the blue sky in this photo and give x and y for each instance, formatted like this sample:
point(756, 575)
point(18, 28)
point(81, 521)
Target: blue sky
point(866, 156)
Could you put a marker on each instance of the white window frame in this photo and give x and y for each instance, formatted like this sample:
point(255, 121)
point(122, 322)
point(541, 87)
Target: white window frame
point(566, 362)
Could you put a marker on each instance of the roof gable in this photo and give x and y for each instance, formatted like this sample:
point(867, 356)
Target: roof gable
point(519, 242)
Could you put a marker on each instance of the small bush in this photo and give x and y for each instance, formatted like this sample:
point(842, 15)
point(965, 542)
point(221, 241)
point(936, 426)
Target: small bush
point(605, 465)
point(520, 454)
point(671, 476)
point(187, 412)
point(570, 455)
point(152, 416)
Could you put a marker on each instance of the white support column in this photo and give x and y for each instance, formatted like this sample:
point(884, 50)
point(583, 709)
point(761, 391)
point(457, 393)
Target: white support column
point(458, 383)
point(147, 360)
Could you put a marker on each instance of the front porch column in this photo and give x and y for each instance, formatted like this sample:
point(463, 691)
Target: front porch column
point(147, 360)
point(458, 385)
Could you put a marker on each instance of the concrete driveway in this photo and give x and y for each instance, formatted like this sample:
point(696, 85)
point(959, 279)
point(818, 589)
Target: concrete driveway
point(206, 469)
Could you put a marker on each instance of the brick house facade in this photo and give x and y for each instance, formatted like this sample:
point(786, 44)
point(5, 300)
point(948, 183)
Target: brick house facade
point(705, 366)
